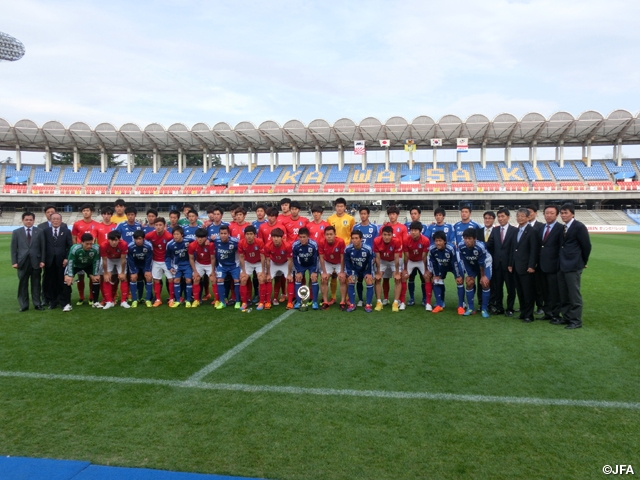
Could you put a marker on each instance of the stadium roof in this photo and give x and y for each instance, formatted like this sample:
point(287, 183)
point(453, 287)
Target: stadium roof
point(620, 126)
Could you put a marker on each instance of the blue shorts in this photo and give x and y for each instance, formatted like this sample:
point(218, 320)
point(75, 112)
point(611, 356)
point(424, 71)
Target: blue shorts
point(137, 268)
point(312, 269)
point(487, 272)
point(222, 271)
point(183, 271)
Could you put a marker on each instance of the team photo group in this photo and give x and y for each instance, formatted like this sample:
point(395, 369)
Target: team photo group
point(285, 258)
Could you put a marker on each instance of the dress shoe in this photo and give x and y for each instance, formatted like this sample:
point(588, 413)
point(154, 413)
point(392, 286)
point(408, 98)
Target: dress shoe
point(539, 312)
point(508, 313)
point(547, 317)
point(24, 309)
point(573, 326)
point(52, 307)
point(527, 320)
point(39, 307)
point(497, 311)
point(558, 321)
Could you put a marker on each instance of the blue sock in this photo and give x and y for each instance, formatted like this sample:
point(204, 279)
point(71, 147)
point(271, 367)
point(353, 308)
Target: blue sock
point(221, 296)
point(369, 294)
point(423, 289)
point(412, 289)
point(485, 298)
point(236, 288)
point(438, 290)
point(176, 292)
point(360, 289)
point(460, 295)
point(352, 293)
point(314, 291)
point(133, 288)
point(189, 292)
point(470, 297)
point(297, 286)
point(149, 290)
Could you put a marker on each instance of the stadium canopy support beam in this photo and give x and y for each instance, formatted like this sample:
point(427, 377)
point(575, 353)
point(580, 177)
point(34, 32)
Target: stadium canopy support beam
point(18, 158)
point(226, 161)
point(588, 161)
point(129, 160)
point(47, 160)
point(277, 159)
point(364, 160)
point(294, 159)
point(411, 159)
point(155, 160)
point(205, 161)
point(250, 159)
point(103, 160)
point(340, 157)
point(318, 158)
point(459, 160)
point(507, 154)
point(561, 154)
point(386, 158)
point(533, 154)
point(618, 150)
point(435, 157)
point(180, 163)
point(76, 159)
point(483, 154)
point(271, 159)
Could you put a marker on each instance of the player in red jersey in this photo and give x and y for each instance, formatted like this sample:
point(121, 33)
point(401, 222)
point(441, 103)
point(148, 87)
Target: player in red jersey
point(294, 223)
point(236, 228)
point(331, 251)
point(159, 239)
point(265, 235)
point(105, 226)
point(252, 261)
point(114, 265)
point(200, 253)
point(285, 206)
point(388, 251)
point(317, 225)
point(416, 249)
point(86, 225)
point(400, 232)
point(279, 259)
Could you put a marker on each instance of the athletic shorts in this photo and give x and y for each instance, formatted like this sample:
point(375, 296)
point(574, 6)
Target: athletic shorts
point(250, 268)
point(136, 268)
point(304, 270)
point(332, 268)
point(388, 268)
point(411, 266)
point(115, 264)
point(183, 271)
point(203, 269)
point(275, 268)
point(159, 268)
point(72, 273)
point(222, 272)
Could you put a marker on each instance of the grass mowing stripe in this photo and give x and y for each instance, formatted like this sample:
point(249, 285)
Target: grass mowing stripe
point(218, 362)
point(332, 392)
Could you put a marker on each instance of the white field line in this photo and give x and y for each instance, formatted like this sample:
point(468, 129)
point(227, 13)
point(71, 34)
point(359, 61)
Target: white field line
point(218, 362)
point(330, 391)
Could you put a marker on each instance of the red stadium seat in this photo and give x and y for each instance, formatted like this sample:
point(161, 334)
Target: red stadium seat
point(542, 186)
point(43, 189)
point(260, 189)
point(573, 186)
point(284, 189)
point(516, 187)
point(436, 187)
point(211, 189)
point(14, 189)
point(489, 186)
point(333, 188)
point(170, 190)
point(120, 190)
point(359, 187)
point(146, 190)
point(71, 189)
point(308, 188)
point(635, 185)
point(601, 186)
point(95, 190)
point(237, 189)
point(192, 190)
point(410, 187)
point(462, 187)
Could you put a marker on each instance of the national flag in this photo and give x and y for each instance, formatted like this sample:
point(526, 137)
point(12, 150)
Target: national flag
point(463, 144)
point(385, 143)
point(358, 147)
point(410, 145)
point(436, 142)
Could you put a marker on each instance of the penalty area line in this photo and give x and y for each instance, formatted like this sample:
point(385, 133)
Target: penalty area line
point(450, 397)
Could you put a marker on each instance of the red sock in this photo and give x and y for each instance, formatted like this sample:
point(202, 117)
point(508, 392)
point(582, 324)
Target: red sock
point(403, 292)
point(124, 289)
point(171, 291)
point(269, 291)
point(243, 293)
point(114, 290)
point(196, 291)
point(385, 287)
point(81, 288)
point(291, 287)
point(107, 293)
point(428, 291)
point(157, 288)
point(262, 288)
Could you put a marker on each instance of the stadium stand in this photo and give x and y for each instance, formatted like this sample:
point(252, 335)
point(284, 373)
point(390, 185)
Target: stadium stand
point(308, 188)
point(43, 177)
point(463, 187)
point(489, 186)
point(596, 172)
point(388, 176)
point(291, 177)
point(14, 188)
point(311, 176)
point(516, 187)
point(213, 189)
point(460, 175)
point(268, 177)
point(71, 189)
point(572, 186)
point(235, 189)
point(96, 189)
point(69, 177)
point(436, 175)
point(125, 178)
point(170, 189)
point(543, 186)
point(539, 173)
point(565, 173)
point(284, 188)
point(176, 178)
point(410, 174)
point(150, 178)
point(336, 176)
point(147, 190)
point(613, 168)
point(386, 187)
point(333, 188)
point(43, 189)
point(120, 190)
point(222, 177)
point(96, 177)
point(201, 178)
point(487, 174)
point(360, 175)
point(11, 172)
point(247, 177)
point(515, 173)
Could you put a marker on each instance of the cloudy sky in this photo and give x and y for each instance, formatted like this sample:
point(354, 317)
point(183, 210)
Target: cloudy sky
point(192, 61)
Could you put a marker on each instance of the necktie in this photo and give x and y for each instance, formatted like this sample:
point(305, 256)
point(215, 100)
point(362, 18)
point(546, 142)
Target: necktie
point(546, 233)
point(486, 235)
point(520, 232)
point(502, 234)
point(28, 236)
point(565, 230)
point(55, 233)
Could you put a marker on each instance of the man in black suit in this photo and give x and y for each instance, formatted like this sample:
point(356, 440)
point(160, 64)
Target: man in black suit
point(483, 234)
point(551, 241)
point(500, 245)
point(523, 262)
point(538, 226)
point(48, 211)
point(57, 240)
point(27, 257)
point(574, 255)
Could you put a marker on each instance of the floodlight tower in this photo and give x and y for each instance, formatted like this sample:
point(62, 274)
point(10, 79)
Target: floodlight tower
point(11, 49)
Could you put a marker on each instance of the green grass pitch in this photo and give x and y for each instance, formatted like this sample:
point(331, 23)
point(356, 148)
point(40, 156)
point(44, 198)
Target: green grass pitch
point(319, 427)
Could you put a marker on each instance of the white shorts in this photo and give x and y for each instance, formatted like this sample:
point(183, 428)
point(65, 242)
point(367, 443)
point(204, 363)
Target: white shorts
point(388, 268)
point(158, 268)
point(115, 264)
point(332, 268)
point(413, 265)
point(203, 269)
point(282, 268)
point(250, 268)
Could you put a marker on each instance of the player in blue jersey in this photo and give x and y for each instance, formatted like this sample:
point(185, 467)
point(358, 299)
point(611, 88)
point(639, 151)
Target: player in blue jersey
point(128, 228)
point(139, 262)
point(440, 225)
point(215, 214)
point(358, 264)
point(369, 232)
point(476, 261)
point(191, 227)
point(152, 214)
point(305, 259)
point(415, 213)
point(177, 261)
point(441, 259)
point(464, 223)
point(226, 262)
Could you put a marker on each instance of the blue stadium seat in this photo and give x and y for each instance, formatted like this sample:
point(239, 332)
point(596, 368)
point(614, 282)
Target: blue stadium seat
point(338, 176)
point(202, 178)
point(485, 174)
point(391, 175)
point(223, 178)
point(565, 173)
point(363, 176)
point(125, 178)
point(69, 177)
point(11, 171)
point(405, 170)
point(150, 178)
point(176, 178)
point(96, 177)
point(516, 173)
point(596, 172)
point(247, 177)
point(310, 176)
point(293, 177)
point(627, 166)
point(540, 173)
point(268, 177)
point(46, 178)
point(463, 174)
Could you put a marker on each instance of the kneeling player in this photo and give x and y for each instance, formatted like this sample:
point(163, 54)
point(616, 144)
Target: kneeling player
point(226, 263)
point(442, 258)
point(83, 257)
point(278, 257)
point(139, 259)
point(177, 261)
point(358, 264)
point(251, 253)
point(476, 262)
point(387, 250)
point(200, 253)
point(305, 259)
point(114, 261)
point(416, 246)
